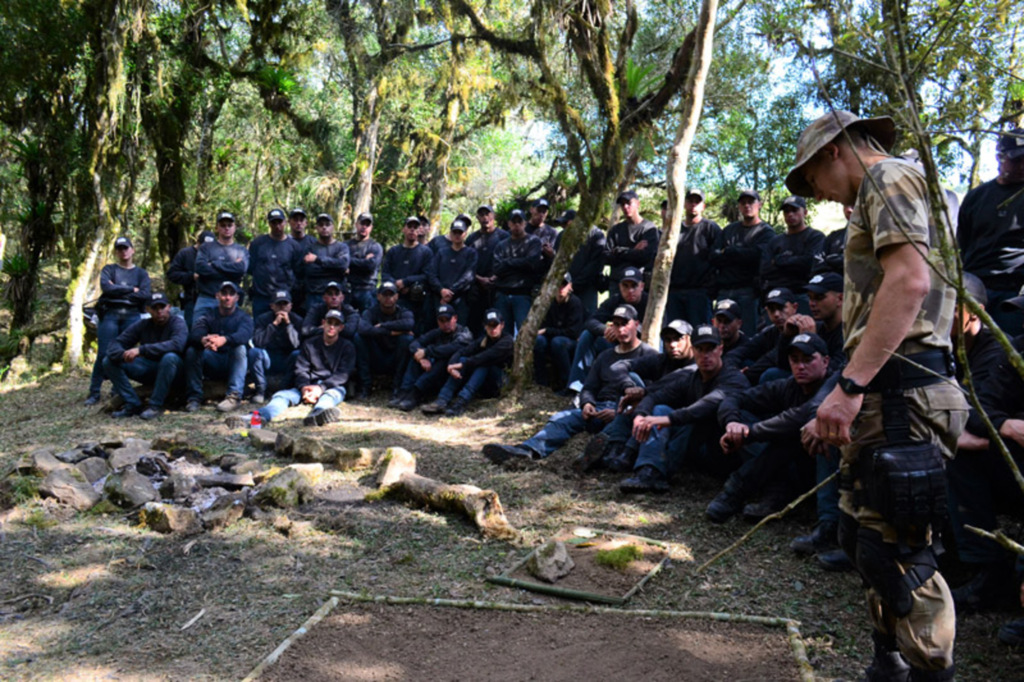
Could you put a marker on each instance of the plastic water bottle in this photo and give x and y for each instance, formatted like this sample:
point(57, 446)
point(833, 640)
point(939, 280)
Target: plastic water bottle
point(256, 422)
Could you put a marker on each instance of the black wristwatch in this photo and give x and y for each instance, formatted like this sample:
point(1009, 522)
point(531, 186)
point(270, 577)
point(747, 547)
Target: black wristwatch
point(851, 387)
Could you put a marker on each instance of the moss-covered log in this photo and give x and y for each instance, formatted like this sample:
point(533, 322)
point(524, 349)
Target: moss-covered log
point(482, 506)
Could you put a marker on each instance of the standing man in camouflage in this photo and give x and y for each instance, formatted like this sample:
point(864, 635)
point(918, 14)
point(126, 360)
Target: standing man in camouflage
point(895, 420)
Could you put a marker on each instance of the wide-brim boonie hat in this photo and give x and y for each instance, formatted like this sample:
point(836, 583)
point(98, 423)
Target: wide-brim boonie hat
point(823, 131)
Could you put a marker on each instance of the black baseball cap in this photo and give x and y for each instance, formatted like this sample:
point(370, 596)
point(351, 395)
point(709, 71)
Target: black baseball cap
point(680, 327)
point(780, 296)
point(493, 316)
point(751, 193)
point(484, 208)
point(625, 312)
point(363, 218)
point(567, 217)
point(275, 214)
point(809, 343)
point(458, 226)
point(156, 300)
point(334, 314)
point(976, 288)
point(797, 202)
point(445, 310)
point(325, 218)
point(706, 333)
point(516, 216)
point(626, 197)
point(123, 243)
point(332, 285)
point(281, 296)
point(412, 219)
point(204, 237)
point(225, 215)
point(228, 284)
point(729, 308)
point(297, 211)
point(825, 282)
point(632, 275)
point(541, 203)
point(1011, 144)
point(694, 192)
point(387, 288)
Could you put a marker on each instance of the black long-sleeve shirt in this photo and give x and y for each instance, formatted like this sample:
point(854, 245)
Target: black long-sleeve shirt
point(691, 267)
point(272, 264)
point(118, 287)
point(788, 259)
point(153, 341)
point(484, 351)
point(322, 365)
point(236, 328)
point(1002, 395)
point(439, 345)
point(991, 235)
point(364, 262)
point(281, 337)
point(780, 408)
point(737, 255)
point(650, 368)
point(375, 325)
point(756, 354)
point(451, 269)
point(331, 265)
point(408, 265)
point(217, 263)
point(485, 244)
point(831, 258)
point(692, 398)
point(604, 383)
point(312, 323)
point(620, 251)
point(603, 315)
point(182, 271)
point(588, 261)
point(564, 319)
point(518, 265)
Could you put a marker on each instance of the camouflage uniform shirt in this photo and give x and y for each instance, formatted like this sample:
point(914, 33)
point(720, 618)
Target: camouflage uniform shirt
point(875, 225)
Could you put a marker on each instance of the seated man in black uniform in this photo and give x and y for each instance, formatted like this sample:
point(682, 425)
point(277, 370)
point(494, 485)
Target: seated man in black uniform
point(218, 345)
point(427, 370)
point(382, 344)
point(762, 426)
point(332, 299)
point(758, 354)
point(275, 345)
point(149, 352)
point(556, 339)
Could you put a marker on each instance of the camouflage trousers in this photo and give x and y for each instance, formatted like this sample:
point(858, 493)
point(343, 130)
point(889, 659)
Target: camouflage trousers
point(937, 414)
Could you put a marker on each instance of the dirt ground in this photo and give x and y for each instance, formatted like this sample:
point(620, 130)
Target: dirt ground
point(360, 644)
point(90, 596)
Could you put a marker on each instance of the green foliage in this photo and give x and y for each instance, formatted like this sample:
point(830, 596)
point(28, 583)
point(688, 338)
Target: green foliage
point(15, 265)
point(278, 80)
point(620, 557)
point(17, 490)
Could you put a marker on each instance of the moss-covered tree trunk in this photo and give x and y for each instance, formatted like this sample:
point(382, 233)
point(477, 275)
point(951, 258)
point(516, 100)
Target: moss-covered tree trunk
point(693, 103)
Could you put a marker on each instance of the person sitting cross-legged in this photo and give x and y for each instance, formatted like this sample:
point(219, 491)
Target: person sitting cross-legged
point(477, 367)
point(598, 399)
point(428, 368)
point(149, 352)
point(321, 372)
point(217, 345)
point(675, 426)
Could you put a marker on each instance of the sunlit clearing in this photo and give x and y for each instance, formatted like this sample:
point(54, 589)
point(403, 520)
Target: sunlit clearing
point(75, 577)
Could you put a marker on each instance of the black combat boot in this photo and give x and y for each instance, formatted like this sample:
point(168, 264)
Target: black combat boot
point(888, 664)
point(947, 675)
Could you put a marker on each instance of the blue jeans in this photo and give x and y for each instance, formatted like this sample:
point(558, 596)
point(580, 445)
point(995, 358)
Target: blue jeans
point(204, 304)
point(563, 426)
point(263, 363)
point(588, 297)
point(690, 446)
point(160, 373)
point(260, 305)
point(188, 311)
point(749, 302)
point(427, 383)
point(112, 323)
point(692, 305)
point(588, 347)
point(514, 308)
point(486, 379)
point(560, 351)
point(363, 299)
point(827, 496)
point(228, 363)
point(290, 397)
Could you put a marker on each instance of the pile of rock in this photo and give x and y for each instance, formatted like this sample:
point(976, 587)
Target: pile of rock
point(174, 488)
